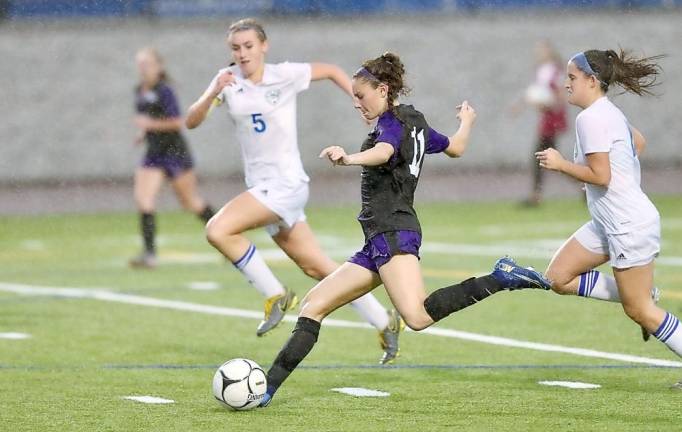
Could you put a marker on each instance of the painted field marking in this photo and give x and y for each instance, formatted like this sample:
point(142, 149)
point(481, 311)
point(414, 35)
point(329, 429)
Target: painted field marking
point(14, 336)
point(203, 285)
point(570, 384)
point(110, 296)
point(360, 392)
point(149, 399)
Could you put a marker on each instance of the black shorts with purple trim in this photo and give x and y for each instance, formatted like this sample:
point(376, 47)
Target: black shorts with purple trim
point(379, 249)
point(172, 164)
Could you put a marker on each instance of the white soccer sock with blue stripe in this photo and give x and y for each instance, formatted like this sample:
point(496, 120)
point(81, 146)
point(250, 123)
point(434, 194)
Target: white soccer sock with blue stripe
point(597, 285)
point(670, 333)
point(253, 267)
point(371, 310)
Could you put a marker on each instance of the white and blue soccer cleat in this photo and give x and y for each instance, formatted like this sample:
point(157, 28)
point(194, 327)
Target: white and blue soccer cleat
point(512, 276)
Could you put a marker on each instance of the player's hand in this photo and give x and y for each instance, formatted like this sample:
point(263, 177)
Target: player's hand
point(224, 79)
point(550, 159)
point(336, 155)
point(143, 122)
point(467, 113)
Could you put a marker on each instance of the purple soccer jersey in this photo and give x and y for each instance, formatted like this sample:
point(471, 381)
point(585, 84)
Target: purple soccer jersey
point(390, 131)
point(165, 150)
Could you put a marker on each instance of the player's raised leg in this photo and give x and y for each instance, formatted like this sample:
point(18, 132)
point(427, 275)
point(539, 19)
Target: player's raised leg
point(224, 232)
point(148, 182)
point(302, 247)
point(185, 187)
point(346, 284)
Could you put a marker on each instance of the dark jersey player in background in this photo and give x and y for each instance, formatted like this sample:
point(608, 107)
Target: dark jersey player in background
point(160, 121)
point(392, 157)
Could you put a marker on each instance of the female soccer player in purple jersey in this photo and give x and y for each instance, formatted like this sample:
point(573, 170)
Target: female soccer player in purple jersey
point(261, 102)
point(160, 121)
point(392, 158)
point(625, 229)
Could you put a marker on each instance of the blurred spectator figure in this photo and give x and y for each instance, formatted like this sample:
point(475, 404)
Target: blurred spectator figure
point(546, 95)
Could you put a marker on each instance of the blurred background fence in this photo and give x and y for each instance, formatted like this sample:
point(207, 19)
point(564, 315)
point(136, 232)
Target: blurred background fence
point(68, 73)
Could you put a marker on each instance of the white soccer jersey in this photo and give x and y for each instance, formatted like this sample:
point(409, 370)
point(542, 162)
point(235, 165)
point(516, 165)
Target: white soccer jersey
point(264, 115)
point(621, 207)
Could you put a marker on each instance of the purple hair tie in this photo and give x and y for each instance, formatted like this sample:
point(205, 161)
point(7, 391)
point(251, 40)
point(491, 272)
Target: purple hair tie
point(364, 72)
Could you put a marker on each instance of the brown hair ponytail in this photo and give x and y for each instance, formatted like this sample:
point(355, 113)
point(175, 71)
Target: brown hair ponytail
point(632, 74)
point(387, 69)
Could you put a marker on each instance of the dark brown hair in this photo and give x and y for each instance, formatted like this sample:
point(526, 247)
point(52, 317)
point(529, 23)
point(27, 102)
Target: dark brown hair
point(387, 69)
point(248, 24)
point(632, 74)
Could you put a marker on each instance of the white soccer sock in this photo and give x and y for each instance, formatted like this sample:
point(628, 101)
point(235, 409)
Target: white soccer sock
point(670, 333)
point(371, 311)
point(254, 269)
point(597, 285)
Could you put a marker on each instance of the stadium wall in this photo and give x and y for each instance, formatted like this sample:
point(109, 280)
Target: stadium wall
point(67, 97)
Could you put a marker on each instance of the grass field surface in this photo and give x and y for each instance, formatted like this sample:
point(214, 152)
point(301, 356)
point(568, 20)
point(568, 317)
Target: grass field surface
point(98, 331)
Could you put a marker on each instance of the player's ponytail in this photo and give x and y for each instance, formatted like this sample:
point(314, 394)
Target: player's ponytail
point(387, 69)
point(632, 74)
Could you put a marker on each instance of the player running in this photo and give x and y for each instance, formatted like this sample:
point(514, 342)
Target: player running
point(168, 156)
point(392, 157)
point(625, 229)
point(261, 99)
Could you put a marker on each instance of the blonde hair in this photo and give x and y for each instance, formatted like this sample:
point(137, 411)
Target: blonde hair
point(248, 24)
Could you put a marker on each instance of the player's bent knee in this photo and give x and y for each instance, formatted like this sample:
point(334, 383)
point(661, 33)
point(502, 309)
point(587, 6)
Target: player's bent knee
point(313, 309)
point(559, 281)
point(416, 321)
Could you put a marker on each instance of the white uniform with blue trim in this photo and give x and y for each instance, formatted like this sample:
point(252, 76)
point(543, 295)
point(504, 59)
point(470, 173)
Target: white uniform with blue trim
point(264, 116)
point(625, 224)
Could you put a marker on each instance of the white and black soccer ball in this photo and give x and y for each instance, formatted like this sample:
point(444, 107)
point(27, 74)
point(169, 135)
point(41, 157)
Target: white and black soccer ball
point(239, 384)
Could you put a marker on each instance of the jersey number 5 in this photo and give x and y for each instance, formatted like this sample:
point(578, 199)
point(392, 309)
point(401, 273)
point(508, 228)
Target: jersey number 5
point(258, 122)
point(419, 149)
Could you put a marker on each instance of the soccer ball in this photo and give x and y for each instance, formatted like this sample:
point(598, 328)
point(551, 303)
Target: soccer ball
point(240, 384)
point(539, 95)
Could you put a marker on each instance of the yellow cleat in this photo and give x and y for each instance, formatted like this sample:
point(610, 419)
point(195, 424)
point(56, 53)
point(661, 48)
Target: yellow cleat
point(275, 309)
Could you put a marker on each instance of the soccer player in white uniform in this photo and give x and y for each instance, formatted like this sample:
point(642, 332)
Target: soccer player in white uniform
point(261, 101)
point(625, 227)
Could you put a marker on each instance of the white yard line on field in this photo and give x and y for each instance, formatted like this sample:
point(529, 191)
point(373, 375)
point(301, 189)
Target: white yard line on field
point(110, 296)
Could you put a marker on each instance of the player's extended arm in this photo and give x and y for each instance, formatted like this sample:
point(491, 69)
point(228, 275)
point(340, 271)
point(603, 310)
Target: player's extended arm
point(596, 172)
point(377, 155)
point(460, 140)
point(640, 141)
point(320, 71)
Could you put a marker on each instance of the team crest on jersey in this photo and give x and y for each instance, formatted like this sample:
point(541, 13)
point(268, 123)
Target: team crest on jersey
point(272, 96)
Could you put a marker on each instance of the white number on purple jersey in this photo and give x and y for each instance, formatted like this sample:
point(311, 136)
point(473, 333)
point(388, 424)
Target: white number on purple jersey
point(419, 149)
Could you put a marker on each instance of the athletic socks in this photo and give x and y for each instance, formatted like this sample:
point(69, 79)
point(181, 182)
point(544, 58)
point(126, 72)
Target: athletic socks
point(148, 227)
point(445, 301)
point(371, 311)
point(254, 269)
point(597, 285)
point(298, 346)
point(670, 333)
point(206, 214)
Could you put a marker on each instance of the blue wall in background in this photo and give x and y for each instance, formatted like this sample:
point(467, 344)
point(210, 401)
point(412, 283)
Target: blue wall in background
point(180, 8)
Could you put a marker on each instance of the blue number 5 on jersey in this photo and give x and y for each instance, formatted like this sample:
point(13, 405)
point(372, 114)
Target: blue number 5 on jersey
point(258, 122)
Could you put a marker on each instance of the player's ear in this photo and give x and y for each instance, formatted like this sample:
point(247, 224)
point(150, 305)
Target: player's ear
point(266, 47)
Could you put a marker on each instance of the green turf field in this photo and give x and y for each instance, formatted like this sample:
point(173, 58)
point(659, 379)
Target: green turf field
point(85, 354)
